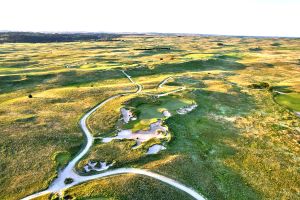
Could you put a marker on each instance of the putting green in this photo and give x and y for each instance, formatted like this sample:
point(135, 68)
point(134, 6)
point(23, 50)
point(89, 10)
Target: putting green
point(290, 100)
point(151, 111)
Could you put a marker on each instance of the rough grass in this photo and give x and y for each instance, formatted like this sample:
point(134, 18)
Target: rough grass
point(237, 144)
point(104, 120)
point(123, 187)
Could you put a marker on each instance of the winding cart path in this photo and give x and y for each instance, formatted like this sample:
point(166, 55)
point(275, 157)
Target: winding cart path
point(58, 184)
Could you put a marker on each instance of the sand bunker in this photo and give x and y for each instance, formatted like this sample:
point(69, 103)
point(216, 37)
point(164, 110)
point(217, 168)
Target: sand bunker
point(187, 109)
point(155, 149)
point(92, 166)
point(156, 130)
point(166, 113)
point(127, 115)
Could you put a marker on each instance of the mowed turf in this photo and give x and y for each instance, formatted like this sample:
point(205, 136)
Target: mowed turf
point(238, 143)
point(291, 101)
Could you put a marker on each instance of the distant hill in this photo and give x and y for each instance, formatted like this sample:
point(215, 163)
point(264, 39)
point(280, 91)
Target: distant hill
point(31, 37)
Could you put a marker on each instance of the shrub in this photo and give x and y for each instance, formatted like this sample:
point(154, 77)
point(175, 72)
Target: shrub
point(30, 96)
point(68, 181)
point(255, 49)
point(68, 197)
point(276, 44)
point(261, 85)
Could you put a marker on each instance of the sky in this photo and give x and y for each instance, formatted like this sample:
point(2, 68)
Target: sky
point(222, 17)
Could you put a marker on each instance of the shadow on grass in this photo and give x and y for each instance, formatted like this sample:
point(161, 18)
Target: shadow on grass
point(202, 141)
point(190, 66)
point(202, 144)
point(76, 78)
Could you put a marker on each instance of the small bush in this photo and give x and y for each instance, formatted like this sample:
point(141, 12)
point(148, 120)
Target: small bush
point(173, 84)
point(68, 181)
point(68, 197)
point(30, 96)
point(255, 49)
point(261, 85)
point(220, 44)
point(276, 44)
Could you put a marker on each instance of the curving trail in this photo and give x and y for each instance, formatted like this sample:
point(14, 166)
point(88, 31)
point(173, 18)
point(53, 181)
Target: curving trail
point(161, 84)
point(164, 82)
point(58, 184)
point(139, 87)
point(171, 92)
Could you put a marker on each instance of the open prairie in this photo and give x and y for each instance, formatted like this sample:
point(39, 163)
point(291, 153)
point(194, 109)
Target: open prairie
point(218, 114)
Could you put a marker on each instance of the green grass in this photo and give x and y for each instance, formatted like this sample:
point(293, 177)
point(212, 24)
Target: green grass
point(62, 158)
point(237, 144)
point(148, 111)
point(137, 188)
point(290, 100)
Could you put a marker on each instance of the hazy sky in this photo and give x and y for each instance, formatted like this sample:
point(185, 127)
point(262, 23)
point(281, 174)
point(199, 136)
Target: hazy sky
point(234, 17)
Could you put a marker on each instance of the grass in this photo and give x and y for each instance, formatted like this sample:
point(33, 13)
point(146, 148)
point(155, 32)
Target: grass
point(149, 110)
point(62, 158)
point(106, 119)
point(290, 100)
point(113, 188)
point(237, 144)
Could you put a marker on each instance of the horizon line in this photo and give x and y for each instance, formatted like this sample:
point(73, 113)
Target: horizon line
point(149, 33)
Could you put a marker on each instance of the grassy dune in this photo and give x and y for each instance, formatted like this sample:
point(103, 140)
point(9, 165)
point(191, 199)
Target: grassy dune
point(239, 143)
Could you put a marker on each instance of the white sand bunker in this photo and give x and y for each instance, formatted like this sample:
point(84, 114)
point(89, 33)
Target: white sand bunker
point(156, 130)
point(187, 109)
point(166, 113)
point(92, 166)
point(155, 149)
point(127, 115)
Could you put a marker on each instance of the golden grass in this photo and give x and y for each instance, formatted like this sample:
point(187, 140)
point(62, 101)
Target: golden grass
point(255, 156)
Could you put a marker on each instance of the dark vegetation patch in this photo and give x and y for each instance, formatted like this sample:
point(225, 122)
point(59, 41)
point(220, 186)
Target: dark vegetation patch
point(29, 37)
point(103, 47)
point(153, 49)
point(27, 119)
point(255, 49)
point(276, 44)
point(68, 181)
point(195, 65)
point(173, 83)
point(261, 85)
